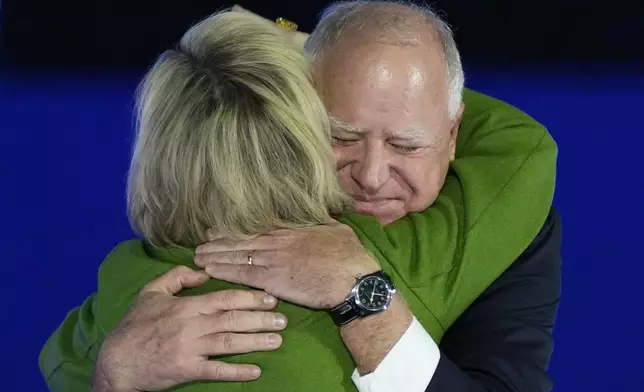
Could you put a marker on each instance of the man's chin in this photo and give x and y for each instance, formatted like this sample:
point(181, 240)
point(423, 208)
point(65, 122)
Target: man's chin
point(387, 211)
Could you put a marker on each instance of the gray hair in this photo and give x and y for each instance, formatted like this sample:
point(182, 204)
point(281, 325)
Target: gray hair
point(392, 18)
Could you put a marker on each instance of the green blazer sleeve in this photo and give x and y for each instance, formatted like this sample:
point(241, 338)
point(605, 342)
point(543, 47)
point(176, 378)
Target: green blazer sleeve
point(67, 360)
point(494, 201)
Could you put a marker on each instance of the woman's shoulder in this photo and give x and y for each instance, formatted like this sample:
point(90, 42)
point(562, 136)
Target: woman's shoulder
point(121, 276)
point(130, 266)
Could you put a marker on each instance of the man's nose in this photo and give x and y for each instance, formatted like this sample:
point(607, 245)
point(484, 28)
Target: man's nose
point(371, 168)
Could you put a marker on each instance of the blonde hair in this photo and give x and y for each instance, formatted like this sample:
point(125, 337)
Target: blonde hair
point(231, 136)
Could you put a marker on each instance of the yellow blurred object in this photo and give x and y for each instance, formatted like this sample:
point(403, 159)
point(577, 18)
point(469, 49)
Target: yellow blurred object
point(286, 24)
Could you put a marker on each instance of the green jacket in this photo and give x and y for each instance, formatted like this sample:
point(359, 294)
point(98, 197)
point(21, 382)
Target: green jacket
point(496, 198)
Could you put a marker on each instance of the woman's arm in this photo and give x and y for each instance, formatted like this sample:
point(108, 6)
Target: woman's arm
point(493, 204)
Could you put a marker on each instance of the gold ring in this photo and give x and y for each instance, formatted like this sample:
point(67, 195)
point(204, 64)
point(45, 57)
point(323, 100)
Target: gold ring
point(286, 24)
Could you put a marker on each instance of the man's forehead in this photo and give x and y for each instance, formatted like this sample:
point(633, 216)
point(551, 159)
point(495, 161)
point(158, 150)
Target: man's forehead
point(407, 133)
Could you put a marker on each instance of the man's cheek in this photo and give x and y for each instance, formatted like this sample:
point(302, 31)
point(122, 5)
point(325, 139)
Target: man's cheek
point(344, 178)
point(338, 157)
point(424, 197)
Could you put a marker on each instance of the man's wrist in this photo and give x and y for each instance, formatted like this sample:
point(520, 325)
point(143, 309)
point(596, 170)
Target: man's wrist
point(105, 388)
point(101, 380)
point(409, 366)
point(101, 384)
point(369, 339)
point(345, 283)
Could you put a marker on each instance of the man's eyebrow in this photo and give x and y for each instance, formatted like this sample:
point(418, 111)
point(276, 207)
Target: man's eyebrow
point(410, 134)
point(340, 125)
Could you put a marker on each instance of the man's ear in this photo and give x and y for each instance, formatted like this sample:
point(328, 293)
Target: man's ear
point(453, 133)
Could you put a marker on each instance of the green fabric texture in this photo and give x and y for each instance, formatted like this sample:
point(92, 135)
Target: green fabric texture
point(496, 198)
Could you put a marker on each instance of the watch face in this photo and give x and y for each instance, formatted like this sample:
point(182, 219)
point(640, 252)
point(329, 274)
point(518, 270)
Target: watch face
point(373, 293)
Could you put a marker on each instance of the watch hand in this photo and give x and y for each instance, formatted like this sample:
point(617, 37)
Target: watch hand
point(372, 293)
point(382, 295)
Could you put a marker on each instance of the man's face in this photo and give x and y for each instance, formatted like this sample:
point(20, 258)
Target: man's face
point(392, 135)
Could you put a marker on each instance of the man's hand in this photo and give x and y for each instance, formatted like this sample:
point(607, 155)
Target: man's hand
point(312, 266)
point(165, 340)
point(315, 267)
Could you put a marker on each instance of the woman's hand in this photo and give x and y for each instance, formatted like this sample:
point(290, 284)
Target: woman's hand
point(166, 340)
point(298, 37)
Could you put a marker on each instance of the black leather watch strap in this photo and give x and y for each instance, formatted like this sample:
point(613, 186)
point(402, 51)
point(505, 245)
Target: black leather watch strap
point(344, 313)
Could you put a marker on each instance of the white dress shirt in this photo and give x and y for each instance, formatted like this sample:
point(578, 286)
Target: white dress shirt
point(408, 367)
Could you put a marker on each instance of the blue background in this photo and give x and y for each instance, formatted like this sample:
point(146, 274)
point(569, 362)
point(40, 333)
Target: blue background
point(65, 143)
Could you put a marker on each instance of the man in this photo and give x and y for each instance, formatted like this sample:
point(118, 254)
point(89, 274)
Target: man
point(396, 111)
point(391, 137)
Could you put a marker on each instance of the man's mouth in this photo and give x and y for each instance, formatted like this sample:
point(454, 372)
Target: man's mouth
point(372, 206)
point(372, 200)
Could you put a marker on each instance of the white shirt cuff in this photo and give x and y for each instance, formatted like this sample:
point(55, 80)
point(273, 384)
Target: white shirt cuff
point(409, 366)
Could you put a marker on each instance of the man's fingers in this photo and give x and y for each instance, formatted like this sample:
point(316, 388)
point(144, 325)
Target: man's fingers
point(248, 275)
point(232, 300)
point(219, 371)
point(240, 257)
point(241, 321)
point(234, 257)
point(175, 280)
point(218, 244)
point(239, 343)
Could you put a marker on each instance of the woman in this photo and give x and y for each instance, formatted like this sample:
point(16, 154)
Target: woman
point(233, 137)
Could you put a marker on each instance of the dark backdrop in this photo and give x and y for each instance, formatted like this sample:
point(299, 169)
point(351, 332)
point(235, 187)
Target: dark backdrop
point(120, 32)
point(66, 131)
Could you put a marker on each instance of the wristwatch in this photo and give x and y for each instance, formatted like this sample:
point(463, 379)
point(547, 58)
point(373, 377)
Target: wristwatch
point(372, 294)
